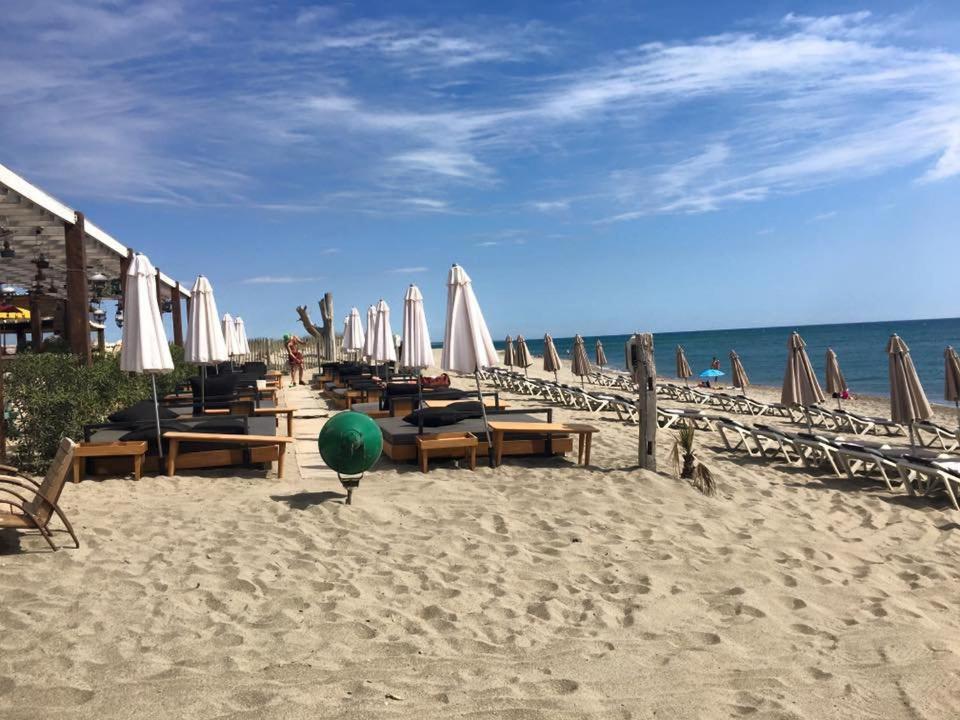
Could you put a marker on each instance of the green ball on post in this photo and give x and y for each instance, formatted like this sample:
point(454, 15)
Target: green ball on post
point(350, 443)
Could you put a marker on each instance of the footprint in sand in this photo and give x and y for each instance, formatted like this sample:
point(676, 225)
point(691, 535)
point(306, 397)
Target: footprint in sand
point(818, 674)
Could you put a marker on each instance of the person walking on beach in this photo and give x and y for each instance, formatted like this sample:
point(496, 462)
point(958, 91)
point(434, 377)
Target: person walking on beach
point(294, 358)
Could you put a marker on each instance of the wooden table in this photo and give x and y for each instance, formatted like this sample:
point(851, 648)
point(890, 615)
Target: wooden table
point(136, 449)
point(277, 412)
point(445, 443)
point(584, 433)
point(175, 438)
point(274, 376)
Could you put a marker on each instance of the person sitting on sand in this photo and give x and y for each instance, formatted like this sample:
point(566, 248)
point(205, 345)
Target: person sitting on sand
point(294, 358)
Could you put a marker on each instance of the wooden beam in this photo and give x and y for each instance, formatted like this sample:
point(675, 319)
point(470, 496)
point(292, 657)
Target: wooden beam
point(77, 323)
point(36, 324)
point(177, 316)
point(124, 267)
point(159, 292)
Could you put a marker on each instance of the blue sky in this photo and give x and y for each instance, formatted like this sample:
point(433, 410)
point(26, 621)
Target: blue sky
point(597, 167)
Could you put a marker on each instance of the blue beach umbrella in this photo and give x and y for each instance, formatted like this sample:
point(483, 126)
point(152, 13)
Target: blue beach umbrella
point(711, 373)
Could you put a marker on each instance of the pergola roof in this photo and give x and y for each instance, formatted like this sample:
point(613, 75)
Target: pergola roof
point(34, 222)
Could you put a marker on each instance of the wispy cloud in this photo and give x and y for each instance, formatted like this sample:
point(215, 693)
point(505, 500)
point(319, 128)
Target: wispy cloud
point(547, 206)
point(409, 270)
point(820, 217)
point(279, 280)
point(317, 110)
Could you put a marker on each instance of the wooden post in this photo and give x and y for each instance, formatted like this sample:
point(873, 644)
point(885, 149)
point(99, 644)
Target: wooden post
point(159, 292)
point(101, 340)
point(177, 316)
point(77, 323)
point(36, 324)
point(646, 377)
point(124, 267)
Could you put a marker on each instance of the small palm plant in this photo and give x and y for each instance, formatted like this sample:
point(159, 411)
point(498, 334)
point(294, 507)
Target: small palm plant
point(687, 467)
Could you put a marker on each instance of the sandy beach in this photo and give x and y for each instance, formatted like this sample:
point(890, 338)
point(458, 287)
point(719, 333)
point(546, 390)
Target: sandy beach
point(540, 589)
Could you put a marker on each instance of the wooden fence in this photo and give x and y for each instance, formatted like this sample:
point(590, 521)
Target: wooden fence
point(273, 352)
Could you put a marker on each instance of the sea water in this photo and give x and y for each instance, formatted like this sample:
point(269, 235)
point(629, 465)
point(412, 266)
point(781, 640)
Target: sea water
point(763, 351)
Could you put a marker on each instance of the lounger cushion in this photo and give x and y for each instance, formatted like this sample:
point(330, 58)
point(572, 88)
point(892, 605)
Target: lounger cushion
point(435, 417)
point(222, 425)
point(467, 408)
point(141, 412)
point(218, 391)
point(147, 430)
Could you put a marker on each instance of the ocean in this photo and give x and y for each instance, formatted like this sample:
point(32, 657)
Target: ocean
point(859, 348)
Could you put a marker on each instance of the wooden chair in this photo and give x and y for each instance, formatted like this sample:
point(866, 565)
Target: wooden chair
point(33, 504)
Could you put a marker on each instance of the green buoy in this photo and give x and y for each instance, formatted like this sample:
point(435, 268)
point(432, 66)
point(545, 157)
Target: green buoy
point(350, 443)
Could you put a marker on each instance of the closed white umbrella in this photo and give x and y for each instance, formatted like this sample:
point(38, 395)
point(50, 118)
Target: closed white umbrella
point(383, 348)
point(415, 349)
point(204, 343)
point(144, 348)
point(345, 337)
point(353, 337)
point(243, 347)
point(467, 345)
point(368, 340)
point(230, 334)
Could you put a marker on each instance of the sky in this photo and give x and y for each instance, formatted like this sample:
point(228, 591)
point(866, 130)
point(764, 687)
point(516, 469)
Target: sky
point(596, 166)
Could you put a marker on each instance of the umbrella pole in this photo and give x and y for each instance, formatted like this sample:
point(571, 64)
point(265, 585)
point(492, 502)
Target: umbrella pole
point(156, 414)
point(957, 404)
point(419, 401)
point(483, 412)
point(203, 389)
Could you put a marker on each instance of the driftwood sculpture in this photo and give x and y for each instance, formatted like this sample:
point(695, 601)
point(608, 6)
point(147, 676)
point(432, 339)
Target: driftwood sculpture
point(311, 329)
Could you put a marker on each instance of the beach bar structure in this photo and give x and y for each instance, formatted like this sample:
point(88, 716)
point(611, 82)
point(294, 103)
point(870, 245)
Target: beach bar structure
point(50, 253)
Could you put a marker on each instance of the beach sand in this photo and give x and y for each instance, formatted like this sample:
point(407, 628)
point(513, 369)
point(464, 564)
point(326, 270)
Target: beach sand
point(540, 589)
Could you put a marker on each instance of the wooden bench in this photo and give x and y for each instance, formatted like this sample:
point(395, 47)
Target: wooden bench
point(445, 443)
point(584, 433)
point(175, 438)
point(136, 449)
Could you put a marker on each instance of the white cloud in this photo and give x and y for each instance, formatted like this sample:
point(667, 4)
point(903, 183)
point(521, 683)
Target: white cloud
point(188, 103)
point(547, 206)
point(279, 280)
point(824, 216)
point(409, 270)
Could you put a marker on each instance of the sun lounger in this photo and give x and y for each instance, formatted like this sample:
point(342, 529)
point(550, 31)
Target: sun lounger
point(859, 458)
point(33, 504)
point(862, 424)
point(773, 442)
point(671, 417)
point(931, 434)
point(746, 441)
point(817, 449)
point(924, 475)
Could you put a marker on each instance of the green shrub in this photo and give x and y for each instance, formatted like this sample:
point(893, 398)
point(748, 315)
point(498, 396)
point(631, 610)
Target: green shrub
point(51, 396)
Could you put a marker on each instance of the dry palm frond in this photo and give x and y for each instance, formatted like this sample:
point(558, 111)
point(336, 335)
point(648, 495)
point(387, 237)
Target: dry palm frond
point(702, 480)
point(687, 467)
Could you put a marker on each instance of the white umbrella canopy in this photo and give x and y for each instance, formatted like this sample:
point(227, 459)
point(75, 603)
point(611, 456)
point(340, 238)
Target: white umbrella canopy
point(353, 336)
point(230, 335)
point(384, 349)
point(204, 344)
point(416, 351)
point(800, 384)
point(144, 348)
point(345, 336)
point(243, 346)
point(908, 401)
point(368, 339)
point(580, 363)
point(467, 345)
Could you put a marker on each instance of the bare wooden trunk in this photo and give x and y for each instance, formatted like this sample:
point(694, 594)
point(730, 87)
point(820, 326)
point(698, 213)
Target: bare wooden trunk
point(646, 378)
